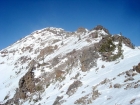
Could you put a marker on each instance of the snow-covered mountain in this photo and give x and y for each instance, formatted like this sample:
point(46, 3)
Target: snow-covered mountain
point(55, 67)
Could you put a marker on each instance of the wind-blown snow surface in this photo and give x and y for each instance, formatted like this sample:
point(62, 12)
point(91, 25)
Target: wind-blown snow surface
point(11, 70)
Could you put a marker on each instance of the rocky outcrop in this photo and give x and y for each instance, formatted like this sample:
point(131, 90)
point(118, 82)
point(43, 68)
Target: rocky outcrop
point(28, 48)
point(55, 61)
point(88, 58)
point(93, 34)
point(26, 84)
point(59, 73)
point(56, 102)
point(129, 73)
point(46, 51)
point(32, 63)
point(117, 85)
point(138, 68)
point(99, 27)
point(54, 30)
point(24, 59)
point(81, 30)
point(107, 46)
point(124, 40)
point(73, 87)
point(95, 94)
point(4, 52)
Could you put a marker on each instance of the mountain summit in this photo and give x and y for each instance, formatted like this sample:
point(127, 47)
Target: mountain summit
point(55, 67)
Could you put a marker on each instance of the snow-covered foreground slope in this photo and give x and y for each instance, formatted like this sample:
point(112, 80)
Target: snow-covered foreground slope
point(67, 70)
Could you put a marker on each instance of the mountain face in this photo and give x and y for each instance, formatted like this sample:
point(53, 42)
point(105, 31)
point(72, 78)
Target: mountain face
point(55, 67)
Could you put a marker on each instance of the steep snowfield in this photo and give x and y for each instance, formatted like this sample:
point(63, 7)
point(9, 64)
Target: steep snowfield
point(101, 79)
point(92, 78)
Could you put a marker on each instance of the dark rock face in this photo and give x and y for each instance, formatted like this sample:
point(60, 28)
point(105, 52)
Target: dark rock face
point(88, 58)
point(26, 84)
point(138, 68)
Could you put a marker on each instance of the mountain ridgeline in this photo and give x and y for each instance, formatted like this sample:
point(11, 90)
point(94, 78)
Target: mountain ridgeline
point(55, 67)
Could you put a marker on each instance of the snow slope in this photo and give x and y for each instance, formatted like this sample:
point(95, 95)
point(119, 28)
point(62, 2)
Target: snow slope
point(97, 86)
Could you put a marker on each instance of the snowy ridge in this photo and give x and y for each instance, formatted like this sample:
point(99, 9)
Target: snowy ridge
point(63, 75)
